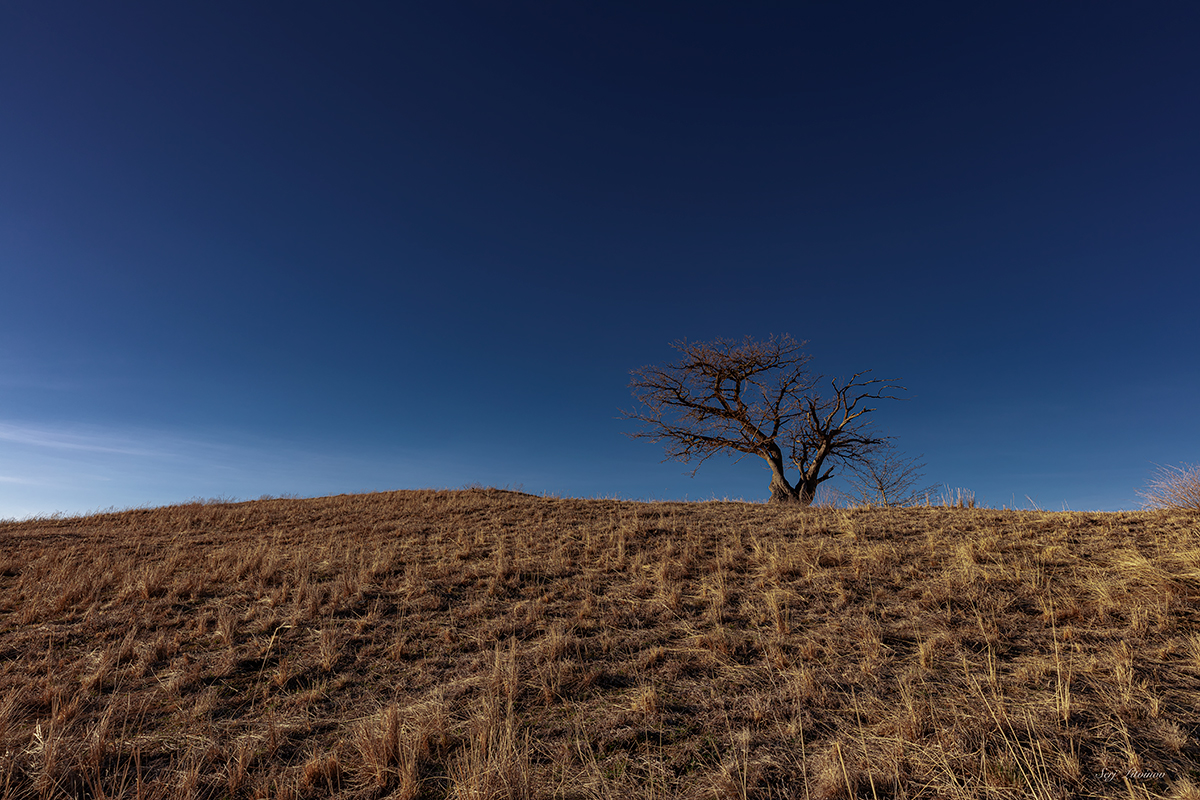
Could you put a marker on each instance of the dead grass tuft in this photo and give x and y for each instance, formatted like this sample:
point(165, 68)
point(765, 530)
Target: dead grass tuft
point(1174, 489)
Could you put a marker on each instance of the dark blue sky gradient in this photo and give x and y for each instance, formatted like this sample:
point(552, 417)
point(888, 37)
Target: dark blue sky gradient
point(314, 248)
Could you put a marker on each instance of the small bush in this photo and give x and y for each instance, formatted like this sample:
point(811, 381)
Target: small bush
point(1174, 488)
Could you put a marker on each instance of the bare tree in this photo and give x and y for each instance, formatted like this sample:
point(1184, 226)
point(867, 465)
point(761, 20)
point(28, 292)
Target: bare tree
point(758, 398)
point(888, 479)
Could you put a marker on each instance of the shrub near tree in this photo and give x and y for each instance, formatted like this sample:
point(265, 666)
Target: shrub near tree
point(889, 479)
point(760, 398)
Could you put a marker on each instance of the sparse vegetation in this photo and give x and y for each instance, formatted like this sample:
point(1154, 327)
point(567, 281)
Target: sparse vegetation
point(888, 478)
point(1175, 489)
point(489, 644)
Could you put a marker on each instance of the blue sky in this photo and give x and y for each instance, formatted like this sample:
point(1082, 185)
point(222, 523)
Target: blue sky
point(314, 248)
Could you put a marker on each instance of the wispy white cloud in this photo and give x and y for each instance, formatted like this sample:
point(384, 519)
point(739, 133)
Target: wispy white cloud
point(14, 479)
point(64, 438)
point(50, 467)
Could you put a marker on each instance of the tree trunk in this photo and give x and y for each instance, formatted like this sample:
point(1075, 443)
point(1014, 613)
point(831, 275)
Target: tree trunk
point(781, 490)
point(806, 491)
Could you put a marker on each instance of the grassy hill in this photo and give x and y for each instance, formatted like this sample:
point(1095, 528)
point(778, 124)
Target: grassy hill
point(489, 644)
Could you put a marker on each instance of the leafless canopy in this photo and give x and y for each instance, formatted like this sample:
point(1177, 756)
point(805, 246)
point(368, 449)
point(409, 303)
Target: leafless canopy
point(758, 398)
point(889, 479)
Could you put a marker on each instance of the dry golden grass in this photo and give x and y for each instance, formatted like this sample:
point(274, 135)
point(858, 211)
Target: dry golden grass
point(488, 644)
point(1175, 489)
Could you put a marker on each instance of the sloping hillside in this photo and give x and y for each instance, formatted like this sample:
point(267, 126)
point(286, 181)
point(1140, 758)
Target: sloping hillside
point(484, 644)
